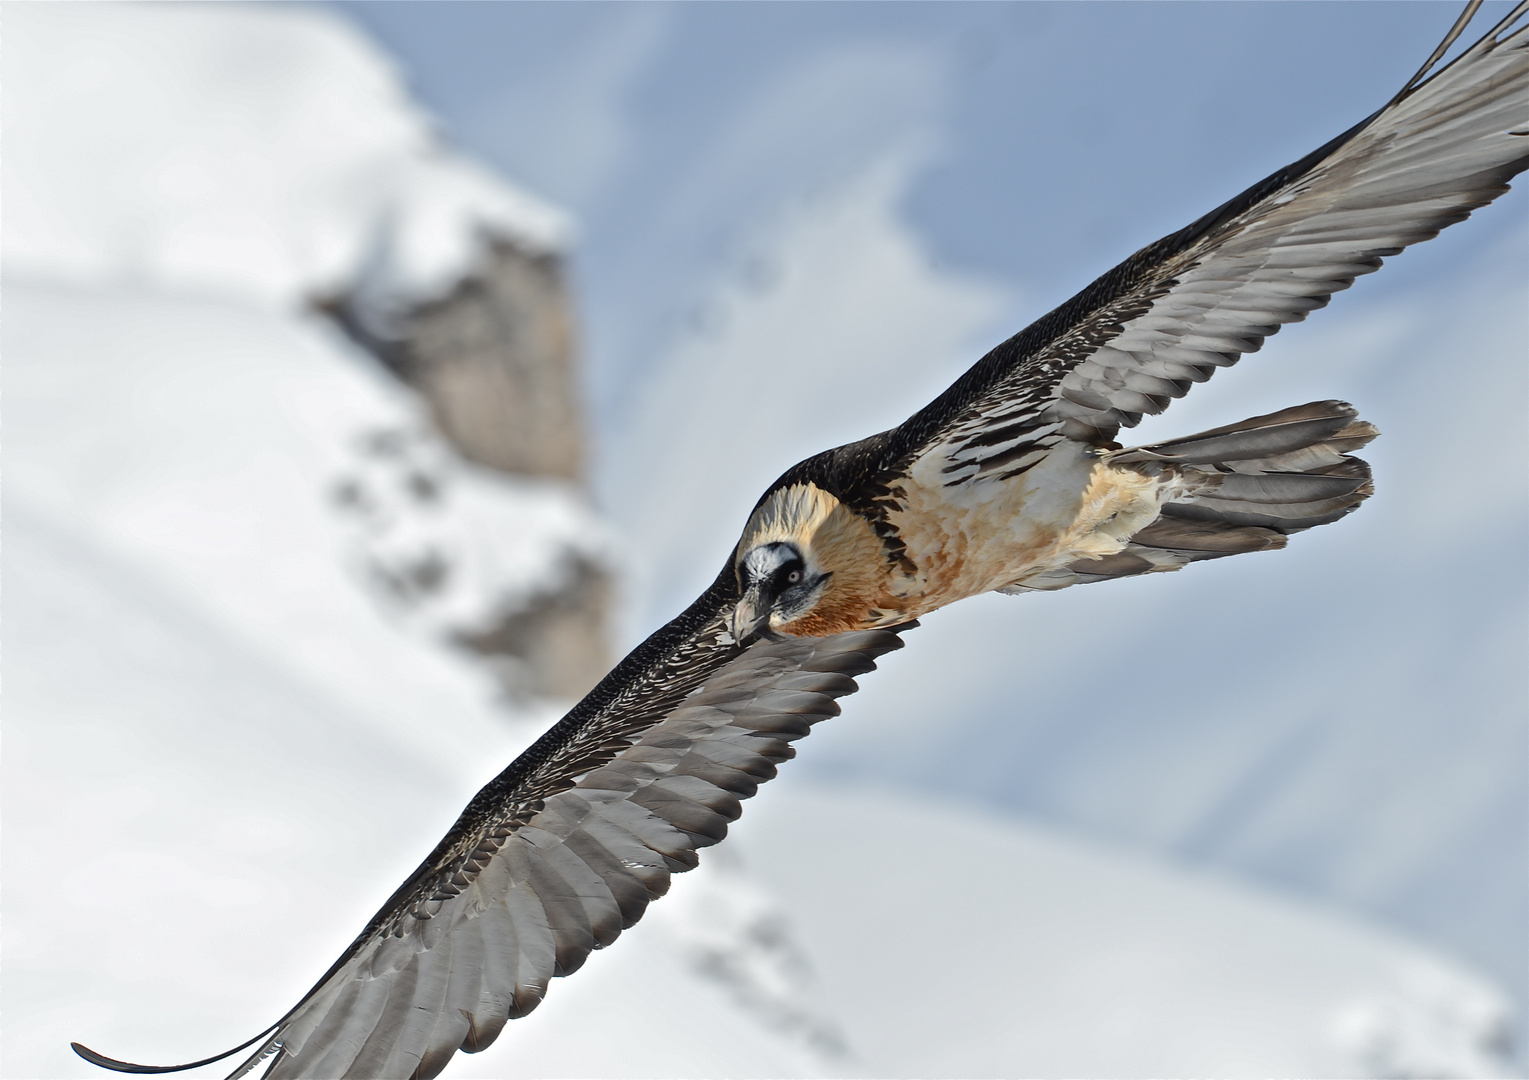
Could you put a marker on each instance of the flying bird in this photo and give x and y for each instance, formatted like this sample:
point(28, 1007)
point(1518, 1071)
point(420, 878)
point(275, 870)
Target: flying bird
point(1011, 480)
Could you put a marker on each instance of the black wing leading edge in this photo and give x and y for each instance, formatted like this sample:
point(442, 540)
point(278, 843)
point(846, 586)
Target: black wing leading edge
point(1196, 300)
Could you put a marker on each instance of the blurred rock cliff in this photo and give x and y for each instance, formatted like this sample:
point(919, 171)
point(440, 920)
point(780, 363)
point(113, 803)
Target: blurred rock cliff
point(496, 359)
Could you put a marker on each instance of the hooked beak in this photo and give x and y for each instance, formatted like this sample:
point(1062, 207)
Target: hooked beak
point(750, 620)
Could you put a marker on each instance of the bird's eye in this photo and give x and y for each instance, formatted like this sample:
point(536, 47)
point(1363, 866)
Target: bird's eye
point(793, 577)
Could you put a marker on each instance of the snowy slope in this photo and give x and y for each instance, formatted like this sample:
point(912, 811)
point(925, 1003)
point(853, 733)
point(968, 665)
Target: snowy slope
point(1054, 957)
point(207, 439)
point(234, 151)
point(225, 742)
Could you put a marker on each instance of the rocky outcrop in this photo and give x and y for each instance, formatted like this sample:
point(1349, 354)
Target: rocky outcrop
point(495, 358)
point(555, 643)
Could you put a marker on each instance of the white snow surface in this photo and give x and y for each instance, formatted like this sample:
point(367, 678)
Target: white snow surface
point(952, 943)
point(265, 153)
point(234, 451)
point(225, 744)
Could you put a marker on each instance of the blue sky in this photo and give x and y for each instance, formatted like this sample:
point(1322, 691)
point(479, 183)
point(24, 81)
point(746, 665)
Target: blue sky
point(1058, 137)
point(798, 222)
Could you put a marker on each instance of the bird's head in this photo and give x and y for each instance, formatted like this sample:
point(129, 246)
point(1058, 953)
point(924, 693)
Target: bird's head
point(806, 565)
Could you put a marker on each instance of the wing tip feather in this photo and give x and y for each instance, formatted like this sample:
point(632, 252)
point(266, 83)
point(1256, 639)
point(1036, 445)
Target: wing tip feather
point(115, 1065)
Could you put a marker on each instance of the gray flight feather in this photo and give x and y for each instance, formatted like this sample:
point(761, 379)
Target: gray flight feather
point(452, 964)
point(1195, 301)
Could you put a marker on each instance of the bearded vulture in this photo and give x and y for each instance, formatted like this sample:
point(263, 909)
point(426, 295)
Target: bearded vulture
point(1010, 480)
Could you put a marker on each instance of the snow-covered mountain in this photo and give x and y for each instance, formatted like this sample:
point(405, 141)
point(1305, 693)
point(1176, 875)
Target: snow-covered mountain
point(229, 734)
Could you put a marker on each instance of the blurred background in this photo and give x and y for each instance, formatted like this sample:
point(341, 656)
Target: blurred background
point(377, 373)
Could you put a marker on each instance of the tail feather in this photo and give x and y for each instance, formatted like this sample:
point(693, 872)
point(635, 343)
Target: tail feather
point(1271, 437)
point(1281, 487)
point(1206, 540)
point(1300, 485)
point(1268, 476)
point(1246, 487)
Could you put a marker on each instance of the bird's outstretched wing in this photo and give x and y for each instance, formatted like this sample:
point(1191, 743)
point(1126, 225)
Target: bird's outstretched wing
point(1174, 312)
point(563, 851)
